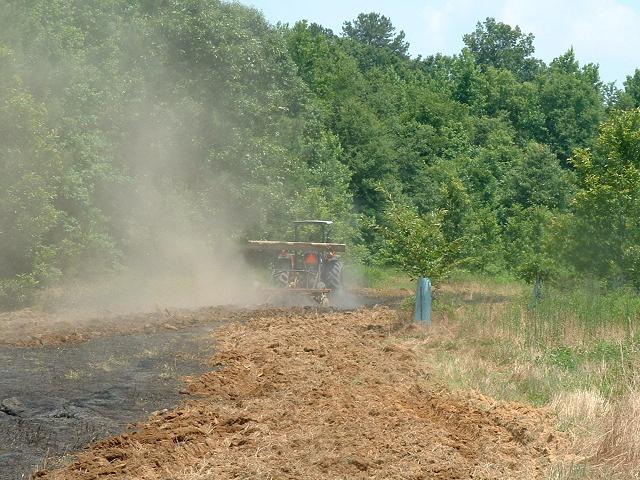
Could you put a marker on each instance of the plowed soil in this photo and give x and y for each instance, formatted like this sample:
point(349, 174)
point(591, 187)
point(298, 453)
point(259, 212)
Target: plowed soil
point(37, 328)
point(310, 394)
point(32, 328)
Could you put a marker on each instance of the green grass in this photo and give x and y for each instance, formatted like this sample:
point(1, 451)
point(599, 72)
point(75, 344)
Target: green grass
point(575, 350)
point(581, 338)
point(374, 276)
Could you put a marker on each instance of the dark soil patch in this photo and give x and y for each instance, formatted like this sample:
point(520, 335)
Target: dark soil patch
point(57, 399)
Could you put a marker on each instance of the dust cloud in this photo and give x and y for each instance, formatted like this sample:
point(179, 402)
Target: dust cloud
point(178, 229)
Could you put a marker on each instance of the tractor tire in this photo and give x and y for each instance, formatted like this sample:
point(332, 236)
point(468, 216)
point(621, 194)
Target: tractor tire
point(280, 279)
point(333, 275)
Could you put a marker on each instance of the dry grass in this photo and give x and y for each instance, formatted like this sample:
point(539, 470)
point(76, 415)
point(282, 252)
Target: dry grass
point(606, 436)
point(580, 406)
point(620, 446)
point(576, 352)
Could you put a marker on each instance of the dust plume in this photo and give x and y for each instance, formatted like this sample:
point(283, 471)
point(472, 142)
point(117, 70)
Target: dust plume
point(178, 248)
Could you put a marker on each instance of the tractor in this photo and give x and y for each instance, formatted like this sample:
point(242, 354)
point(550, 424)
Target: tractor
point(308, 265)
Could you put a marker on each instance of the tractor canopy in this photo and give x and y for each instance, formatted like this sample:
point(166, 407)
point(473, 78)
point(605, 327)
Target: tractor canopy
point(312, 230)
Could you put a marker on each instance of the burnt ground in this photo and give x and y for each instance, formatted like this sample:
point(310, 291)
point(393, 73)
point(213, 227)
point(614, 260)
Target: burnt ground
point(57, 399)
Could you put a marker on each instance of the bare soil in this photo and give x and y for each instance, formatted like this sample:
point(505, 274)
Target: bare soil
point(33, 328)
point(304, 393)
point(36, 328)
point(70, 380)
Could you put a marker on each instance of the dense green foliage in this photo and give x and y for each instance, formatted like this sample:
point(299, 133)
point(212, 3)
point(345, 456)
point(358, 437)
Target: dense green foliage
point(122, 121)
point(605, 229)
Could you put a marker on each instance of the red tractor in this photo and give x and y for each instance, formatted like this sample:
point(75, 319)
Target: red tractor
point(310, 264)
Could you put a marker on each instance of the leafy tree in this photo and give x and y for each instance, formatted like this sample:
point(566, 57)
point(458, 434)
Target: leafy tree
point(416, 242)
point(499, 45)
point(443, 191)
point(482, 246)
point(613, 96)
point(529, 244)
point(330, 73)
point(631, 96)
point(28, 162)
point(573, 104)
point(377, 31)
point(467, 81)
point(494, 155)
point(117, 113)
point(605, 232)
point(152, 118)
point(504, 96)
point(537, 179)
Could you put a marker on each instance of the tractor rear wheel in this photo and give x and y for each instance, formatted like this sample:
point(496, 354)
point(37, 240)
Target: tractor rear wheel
point(333, 274)
point(280, 279)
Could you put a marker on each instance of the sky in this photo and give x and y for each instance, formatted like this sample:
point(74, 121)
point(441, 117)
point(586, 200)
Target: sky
point(606, 32)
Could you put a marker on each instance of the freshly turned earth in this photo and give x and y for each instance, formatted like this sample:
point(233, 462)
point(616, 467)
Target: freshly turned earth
point(310, 393)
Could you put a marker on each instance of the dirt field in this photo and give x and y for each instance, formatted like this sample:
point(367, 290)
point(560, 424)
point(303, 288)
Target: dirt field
point(69, 378)
point(34, 328)
point(303, 393)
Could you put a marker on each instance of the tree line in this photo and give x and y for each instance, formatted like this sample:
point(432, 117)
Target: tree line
point(124, 119)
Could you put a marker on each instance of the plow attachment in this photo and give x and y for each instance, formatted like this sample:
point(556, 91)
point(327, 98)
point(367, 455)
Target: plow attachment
point(293, 296)
point(275, 245)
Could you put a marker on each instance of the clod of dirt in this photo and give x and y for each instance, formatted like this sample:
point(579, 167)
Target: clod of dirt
point(311, 394)
point(11, 406)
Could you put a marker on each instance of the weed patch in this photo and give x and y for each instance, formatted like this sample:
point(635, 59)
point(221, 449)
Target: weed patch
point(576, 351)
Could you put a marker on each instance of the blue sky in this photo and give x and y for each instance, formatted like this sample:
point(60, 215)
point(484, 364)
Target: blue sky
point(606, 32)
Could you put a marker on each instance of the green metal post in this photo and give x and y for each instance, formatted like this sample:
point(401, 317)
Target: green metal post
point(423, 301)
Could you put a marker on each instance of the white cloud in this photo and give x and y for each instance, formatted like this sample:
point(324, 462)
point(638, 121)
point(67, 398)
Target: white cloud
point(601, 31)
point(598, 29)
point(443, 20)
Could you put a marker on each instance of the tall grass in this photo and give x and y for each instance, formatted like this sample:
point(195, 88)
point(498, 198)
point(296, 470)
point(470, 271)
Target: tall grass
point(576, 350)
point(375, 276)
point(585, 337)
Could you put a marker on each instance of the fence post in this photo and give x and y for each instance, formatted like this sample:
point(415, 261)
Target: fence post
point(423, 301)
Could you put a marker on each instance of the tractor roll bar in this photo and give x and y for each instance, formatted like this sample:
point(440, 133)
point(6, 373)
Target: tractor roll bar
point(276, 245)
